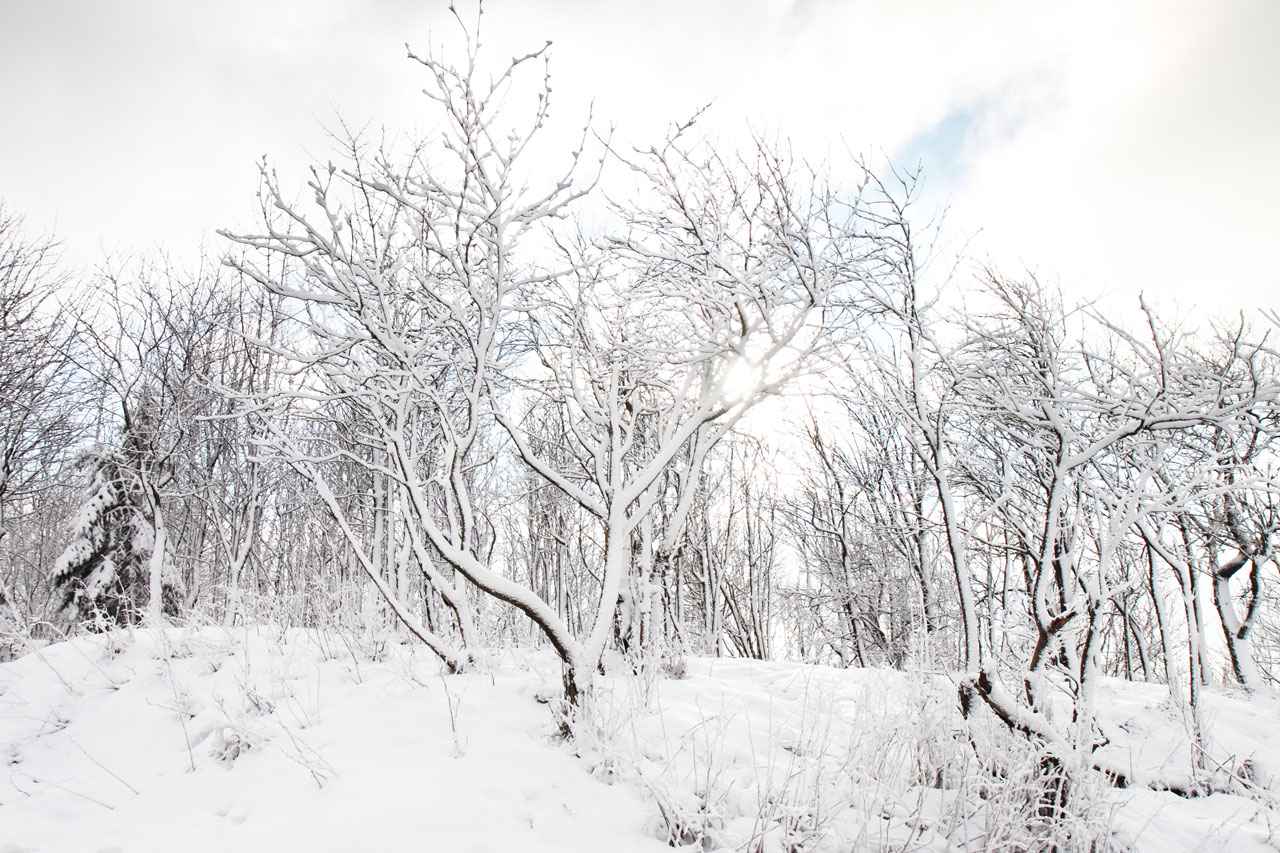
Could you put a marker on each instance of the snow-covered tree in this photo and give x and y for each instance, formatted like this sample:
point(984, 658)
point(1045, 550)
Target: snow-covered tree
point(105, 572)
point(400, 279)
point(725, 275)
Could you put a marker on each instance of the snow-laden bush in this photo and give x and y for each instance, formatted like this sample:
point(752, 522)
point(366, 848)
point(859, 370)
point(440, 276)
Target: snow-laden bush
point(767, 758)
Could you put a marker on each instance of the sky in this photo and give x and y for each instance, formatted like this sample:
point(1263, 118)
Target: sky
point(1113, 148)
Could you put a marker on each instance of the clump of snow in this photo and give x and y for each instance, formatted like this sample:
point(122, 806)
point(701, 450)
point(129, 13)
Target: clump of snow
point(270, 739)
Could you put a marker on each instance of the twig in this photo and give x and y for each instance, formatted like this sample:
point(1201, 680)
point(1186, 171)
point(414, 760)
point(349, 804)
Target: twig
point(40, 781)
point(104, 767)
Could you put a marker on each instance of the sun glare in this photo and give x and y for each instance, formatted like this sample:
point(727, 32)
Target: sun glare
point(741, 379)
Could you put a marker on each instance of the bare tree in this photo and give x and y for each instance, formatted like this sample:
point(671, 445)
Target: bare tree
point(40, 394)
point(911, 357)
point(728, 270)
point(1215, 518)
point(859, 527)
point(1069, 436)
point(401, 280)
point(150, 337)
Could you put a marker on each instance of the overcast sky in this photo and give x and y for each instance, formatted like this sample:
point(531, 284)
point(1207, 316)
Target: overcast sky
point(1115, 146)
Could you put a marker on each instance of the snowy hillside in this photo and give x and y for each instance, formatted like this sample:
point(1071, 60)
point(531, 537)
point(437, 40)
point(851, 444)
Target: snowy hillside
point(262, 740)
point(563, 484)
point(252, 740)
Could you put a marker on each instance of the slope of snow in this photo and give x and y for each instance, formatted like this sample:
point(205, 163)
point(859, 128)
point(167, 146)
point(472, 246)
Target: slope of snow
point(261, 740)
point(775, 756)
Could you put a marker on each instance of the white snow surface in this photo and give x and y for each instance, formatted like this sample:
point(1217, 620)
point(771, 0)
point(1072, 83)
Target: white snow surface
point(254, 740)
point(262, 739)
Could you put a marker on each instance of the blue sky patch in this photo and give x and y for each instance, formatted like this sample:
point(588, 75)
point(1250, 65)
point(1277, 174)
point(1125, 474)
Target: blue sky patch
point(943, 149)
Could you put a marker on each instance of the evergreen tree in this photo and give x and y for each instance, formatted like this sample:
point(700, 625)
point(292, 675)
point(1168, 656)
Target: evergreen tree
point(104, 571)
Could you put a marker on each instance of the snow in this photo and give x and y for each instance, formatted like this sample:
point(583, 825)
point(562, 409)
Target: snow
point(260, 738)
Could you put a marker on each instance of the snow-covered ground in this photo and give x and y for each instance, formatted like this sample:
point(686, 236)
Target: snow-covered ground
point(813, 758)
point(251, 740)
point(255, 739)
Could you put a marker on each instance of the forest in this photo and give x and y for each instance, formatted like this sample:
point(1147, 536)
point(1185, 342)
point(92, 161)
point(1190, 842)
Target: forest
point(620, 412)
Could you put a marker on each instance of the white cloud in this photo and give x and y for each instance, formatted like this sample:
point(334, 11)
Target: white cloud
point(1151, 170)
point(1118, 145)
